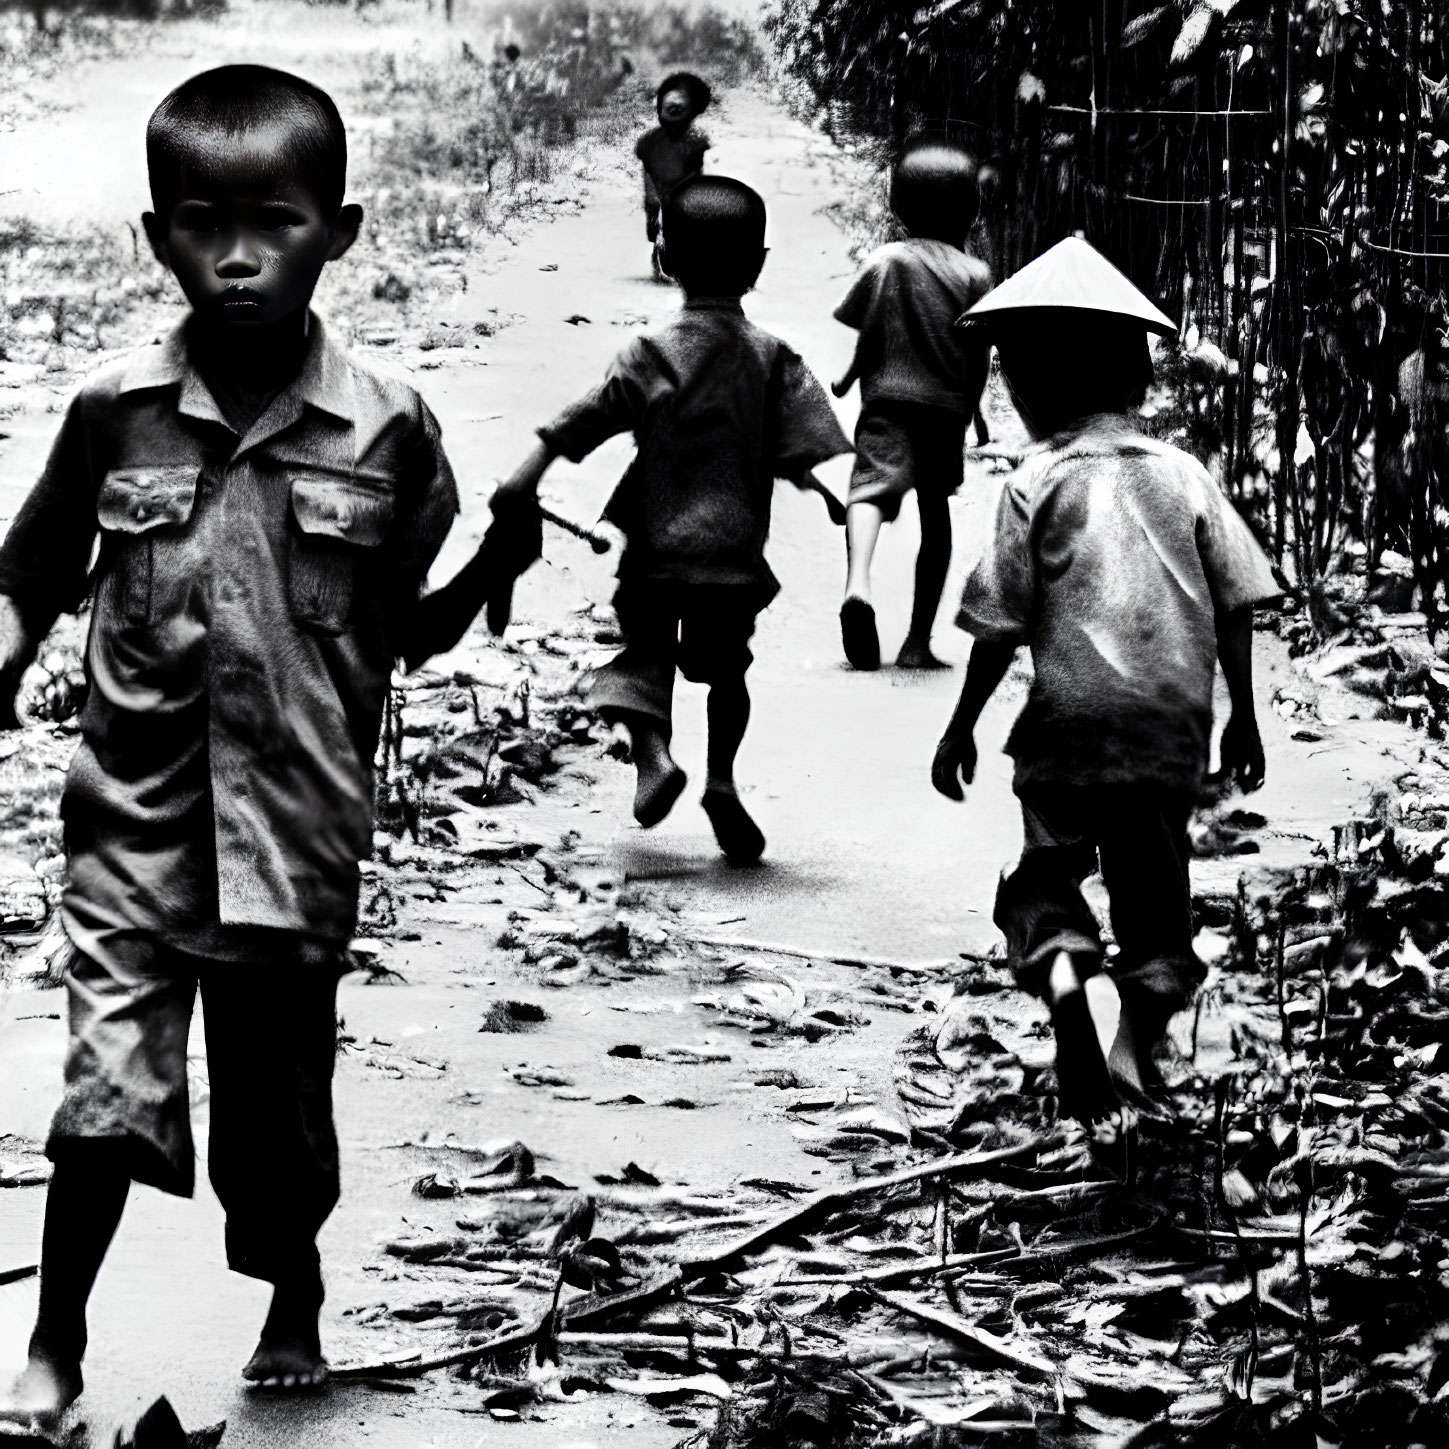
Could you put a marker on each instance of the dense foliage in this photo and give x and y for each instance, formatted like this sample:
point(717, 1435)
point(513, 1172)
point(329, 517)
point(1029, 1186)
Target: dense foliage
point(1274, 170)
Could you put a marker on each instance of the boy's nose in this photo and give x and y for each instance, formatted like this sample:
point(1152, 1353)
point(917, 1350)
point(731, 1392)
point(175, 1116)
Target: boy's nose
point(239, 259)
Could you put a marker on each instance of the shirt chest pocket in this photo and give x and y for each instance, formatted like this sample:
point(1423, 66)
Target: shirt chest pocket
point(144, 515)
point(335, 547)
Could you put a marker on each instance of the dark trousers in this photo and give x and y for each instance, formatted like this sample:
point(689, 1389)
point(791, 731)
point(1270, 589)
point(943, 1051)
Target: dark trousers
point(271, 1045)
point(701, 631)
point(1137, 836)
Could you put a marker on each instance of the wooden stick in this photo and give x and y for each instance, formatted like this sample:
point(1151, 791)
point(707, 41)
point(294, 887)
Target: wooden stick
point(897, 1272)
point(835, 958)
point(596, 1308)
point(596, 541)
point(833, 1198)
point(1022, 1360)
point(17, 1274)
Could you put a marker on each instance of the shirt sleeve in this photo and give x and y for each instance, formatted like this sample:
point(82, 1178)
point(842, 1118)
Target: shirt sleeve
point(428, 499)
point(45, 559)
point(804, 426)
point(615, 406)
point(998, 603)
point(855, 308)
point(1238, 572)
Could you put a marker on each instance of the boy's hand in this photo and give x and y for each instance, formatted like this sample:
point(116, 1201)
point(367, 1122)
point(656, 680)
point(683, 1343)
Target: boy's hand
point(1241, 752)
point(954, 765)
point(17, 649)
point(842, 385)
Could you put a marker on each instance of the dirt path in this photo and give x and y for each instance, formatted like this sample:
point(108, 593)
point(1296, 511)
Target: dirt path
point(864, 859)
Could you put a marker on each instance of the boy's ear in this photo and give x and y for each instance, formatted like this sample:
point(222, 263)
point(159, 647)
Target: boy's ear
point(155, 230)
point(345, 227)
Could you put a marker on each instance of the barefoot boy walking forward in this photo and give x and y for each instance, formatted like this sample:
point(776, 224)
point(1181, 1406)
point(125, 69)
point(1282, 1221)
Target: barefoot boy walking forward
point(266, 511)
point(719, 409)
point(673, 151)
point(920, 380)
point(1120, 564)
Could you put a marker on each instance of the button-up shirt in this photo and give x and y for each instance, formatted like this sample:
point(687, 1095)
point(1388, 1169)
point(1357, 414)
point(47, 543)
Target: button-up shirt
point(1113, 557)
point(719, 409)
point(247, 597)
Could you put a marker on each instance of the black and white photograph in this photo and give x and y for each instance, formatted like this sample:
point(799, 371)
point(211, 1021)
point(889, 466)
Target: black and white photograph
point(723, 724)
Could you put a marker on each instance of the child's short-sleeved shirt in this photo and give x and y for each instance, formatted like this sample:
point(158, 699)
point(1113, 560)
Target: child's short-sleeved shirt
point(905, 303)
point(1112, 556)
point(719, 409)
point(670, 157)
point(247, 592)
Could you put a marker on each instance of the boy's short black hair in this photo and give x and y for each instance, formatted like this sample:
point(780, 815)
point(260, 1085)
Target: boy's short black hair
point(714, 236)
point(232, 100)
point(934, 190)
point(682, 80)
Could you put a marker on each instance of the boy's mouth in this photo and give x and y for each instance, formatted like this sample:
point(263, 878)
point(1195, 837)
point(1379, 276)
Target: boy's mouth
point(238, 301)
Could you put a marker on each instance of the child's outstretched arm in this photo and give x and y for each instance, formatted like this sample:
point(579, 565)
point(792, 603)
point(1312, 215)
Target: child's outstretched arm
point(955, 761)
point(17, 649)
point(513, 542)
point(1241, 747)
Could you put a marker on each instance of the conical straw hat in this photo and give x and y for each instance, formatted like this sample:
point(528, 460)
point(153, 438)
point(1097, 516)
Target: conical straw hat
point(1071, 276)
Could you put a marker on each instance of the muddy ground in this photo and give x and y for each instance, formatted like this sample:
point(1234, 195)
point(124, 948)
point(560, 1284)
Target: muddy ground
point(685, 1029)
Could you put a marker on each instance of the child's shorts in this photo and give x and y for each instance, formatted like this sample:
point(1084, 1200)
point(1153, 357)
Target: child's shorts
point(271, 1041)
point(701, 630)
point(904, 445)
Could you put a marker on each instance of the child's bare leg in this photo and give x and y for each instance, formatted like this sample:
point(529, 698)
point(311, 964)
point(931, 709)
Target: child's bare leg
point(739, 837)
point(82, 1210)
point(863, 522)
point(932, 563)
point(661, 781)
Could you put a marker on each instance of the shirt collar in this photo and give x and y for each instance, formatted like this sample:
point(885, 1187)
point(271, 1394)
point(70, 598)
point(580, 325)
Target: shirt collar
point(325, 380)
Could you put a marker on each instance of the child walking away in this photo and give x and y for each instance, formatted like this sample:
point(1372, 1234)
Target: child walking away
point(673, 151)
point(920, 380)
point(1124, 570)
point(265, 511)
point(719, 409)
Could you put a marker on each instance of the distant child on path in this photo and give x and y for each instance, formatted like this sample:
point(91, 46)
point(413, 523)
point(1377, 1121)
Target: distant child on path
point(719, 410)
point(266, 510)
point(920, 381)
point(673, 151)
point(1120, 565)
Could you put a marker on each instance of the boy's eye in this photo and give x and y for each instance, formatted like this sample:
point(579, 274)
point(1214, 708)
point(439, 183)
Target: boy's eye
point(196, 218)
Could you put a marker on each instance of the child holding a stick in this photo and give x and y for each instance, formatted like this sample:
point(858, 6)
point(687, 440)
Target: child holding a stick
point(264, 511)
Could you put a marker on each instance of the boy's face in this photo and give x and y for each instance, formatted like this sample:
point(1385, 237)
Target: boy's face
point(248, 241)
point(675, 107)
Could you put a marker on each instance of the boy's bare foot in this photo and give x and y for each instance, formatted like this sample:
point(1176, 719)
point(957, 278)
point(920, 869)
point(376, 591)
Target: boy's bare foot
point(1085, 1087)
point(741, 840)
point(43, 1392)
point(918, 656)
point(285, 1366)
point(288, 1354)
point(1141, 1029)
point(858, 635)
point(660, 785)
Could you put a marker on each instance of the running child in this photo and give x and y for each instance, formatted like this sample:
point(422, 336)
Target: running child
point(920, 381)
point(719, 409)
point(1121, 566)
point(265, 511)
point(673, 151)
